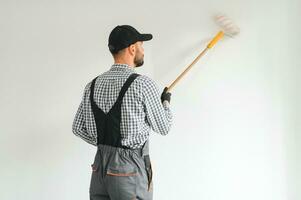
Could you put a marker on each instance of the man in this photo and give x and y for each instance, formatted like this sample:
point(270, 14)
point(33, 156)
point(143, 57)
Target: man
point(118, 110)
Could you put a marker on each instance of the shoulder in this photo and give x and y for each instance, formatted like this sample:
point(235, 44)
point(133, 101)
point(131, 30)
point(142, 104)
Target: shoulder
point(98, 79)
point(148, 85)
point(146, 81)
point(88, 85)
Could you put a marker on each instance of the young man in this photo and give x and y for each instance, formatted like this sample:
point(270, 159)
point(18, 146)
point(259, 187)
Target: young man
point(118, 110)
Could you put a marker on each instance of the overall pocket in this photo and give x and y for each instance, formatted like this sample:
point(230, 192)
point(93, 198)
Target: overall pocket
point(122, 172)
point(121, 165)
point(122, 181)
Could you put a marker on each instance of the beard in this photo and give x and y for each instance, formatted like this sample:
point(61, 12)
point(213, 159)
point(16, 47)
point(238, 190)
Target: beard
point(138, 61)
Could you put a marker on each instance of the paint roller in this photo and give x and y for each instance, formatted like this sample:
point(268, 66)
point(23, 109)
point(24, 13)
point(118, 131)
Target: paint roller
point(228, 28)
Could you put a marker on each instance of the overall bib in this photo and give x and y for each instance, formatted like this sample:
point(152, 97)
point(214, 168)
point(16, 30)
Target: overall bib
point(118, 172)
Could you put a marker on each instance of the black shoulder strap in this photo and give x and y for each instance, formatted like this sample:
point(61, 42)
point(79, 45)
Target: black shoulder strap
point(124, 88)
point(126, 85)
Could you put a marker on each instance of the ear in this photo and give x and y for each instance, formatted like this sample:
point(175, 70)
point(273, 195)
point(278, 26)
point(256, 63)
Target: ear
point(132, 49)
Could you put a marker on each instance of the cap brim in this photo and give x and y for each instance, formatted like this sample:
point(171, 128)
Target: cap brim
point(145, 37)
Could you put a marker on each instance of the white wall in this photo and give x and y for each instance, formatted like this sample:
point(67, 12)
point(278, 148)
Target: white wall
point(235, 134)
point(297, 65)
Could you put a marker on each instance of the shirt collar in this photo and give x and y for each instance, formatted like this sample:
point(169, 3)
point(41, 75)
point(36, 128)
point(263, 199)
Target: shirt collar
point(122, 66)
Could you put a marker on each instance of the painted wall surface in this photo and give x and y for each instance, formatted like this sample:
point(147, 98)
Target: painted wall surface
point(235, 133)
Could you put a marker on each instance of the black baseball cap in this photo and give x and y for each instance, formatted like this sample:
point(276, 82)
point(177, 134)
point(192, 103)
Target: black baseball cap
point(123, 36)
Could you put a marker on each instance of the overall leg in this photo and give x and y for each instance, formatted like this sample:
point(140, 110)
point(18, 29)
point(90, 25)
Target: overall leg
point(144, 179)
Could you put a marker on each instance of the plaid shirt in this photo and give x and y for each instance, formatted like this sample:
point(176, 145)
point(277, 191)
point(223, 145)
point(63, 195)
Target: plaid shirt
point(141, 108)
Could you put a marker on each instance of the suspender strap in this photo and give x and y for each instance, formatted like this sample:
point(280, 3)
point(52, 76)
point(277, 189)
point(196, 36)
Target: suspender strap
point(125, 86)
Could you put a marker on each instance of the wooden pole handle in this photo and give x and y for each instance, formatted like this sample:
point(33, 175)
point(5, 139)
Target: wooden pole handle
point(218, 36)
point(187, 69)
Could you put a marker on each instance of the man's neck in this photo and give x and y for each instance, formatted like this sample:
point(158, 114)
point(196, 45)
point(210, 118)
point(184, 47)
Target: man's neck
point(130, 64)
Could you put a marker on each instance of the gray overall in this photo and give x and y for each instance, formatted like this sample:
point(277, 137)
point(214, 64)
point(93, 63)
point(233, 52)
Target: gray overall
point(118, 173)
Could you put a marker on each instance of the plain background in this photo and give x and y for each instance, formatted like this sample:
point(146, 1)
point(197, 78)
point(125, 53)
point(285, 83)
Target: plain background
point(235, 133)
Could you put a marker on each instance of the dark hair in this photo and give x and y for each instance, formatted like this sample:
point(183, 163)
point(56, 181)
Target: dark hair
point(115, 53)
